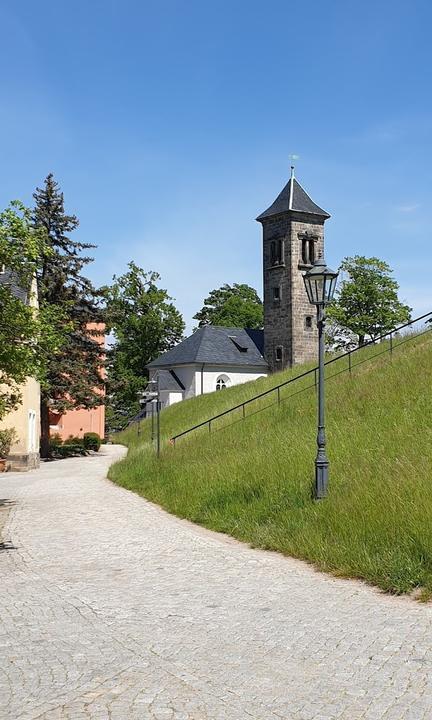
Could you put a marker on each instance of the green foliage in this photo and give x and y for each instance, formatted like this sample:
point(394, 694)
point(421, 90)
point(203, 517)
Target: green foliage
point(74, 440)
point(253, 479)
point(55, 440)
point(68, 450)
point(73, 378)
point(367, 301)
point(235, 305)
point(145, 323)
point(92, 441)
point(27, 337)
point(7, 438)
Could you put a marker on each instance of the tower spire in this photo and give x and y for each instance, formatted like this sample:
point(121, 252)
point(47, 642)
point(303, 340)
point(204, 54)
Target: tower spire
point(290, 203)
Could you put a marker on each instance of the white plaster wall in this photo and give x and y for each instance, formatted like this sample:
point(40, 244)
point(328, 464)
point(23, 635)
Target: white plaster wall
point(236, 376)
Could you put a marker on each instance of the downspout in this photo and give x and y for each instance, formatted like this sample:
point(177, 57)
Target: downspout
point(202, 379)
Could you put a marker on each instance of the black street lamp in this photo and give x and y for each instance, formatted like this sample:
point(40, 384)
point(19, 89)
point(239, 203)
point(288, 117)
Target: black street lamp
point(155, 399)
point(320, 283)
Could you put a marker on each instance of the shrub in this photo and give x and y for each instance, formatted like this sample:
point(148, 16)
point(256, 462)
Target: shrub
point(55, 440)
point(7, 439)
point(71, 440)
point(92, 441)
point(69, 450)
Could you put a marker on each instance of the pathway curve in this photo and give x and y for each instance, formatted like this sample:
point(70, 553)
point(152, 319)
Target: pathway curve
point(114, 610)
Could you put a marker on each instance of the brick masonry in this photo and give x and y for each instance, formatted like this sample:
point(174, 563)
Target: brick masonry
point(286, 320)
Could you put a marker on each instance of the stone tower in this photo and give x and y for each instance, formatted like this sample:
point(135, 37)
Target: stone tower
point(293, 237)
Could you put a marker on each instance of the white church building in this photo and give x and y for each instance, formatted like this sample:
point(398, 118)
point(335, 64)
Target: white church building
point(212, 358)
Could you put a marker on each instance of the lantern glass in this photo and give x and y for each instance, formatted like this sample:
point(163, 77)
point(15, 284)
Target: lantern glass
point(320, 283)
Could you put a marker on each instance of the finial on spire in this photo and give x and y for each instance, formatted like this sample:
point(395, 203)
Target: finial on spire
point(293, 158)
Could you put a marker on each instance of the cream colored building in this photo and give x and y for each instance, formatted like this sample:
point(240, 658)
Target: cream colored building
point(24, 454)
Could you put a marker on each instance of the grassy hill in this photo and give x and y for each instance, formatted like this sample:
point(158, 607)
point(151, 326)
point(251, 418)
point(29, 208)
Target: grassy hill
point(252, 479)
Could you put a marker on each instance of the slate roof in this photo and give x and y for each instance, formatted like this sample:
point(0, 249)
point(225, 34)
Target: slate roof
point(9, 279)
point(214, 345)
point(168, 381)
point(293, 198)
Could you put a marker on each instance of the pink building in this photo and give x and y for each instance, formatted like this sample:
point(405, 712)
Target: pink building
point(78, 422)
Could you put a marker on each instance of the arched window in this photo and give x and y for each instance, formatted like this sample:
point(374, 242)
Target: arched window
point(222, 382)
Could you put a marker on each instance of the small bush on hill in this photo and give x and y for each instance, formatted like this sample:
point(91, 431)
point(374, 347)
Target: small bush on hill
point(92, 441)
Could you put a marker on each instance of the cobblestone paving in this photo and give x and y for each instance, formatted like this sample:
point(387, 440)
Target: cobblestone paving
point(113, 610)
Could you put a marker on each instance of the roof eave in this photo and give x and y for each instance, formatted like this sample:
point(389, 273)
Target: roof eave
point(265, 215)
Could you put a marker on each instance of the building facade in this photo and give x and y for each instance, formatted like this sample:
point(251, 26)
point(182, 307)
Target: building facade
point(212, 358)
point(78, 422)
point(293, 237)
point(25, 420)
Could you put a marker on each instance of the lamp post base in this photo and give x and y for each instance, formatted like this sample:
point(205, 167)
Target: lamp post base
point(321, 479)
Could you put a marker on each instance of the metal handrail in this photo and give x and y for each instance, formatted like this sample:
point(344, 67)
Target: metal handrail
point(313, 370)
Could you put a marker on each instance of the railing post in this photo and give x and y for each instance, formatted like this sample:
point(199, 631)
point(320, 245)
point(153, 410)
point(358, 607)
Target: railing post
point(244, 413)
point(391, 343)
point(349, 361)
point(315, 378)
point(278, 394)
point(209, 426)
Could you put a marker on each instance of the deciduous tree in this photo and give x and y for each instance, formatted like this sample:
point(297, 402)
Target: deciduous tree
point(367, 300)
point(235, 305)
point(145, 323)
point(27, 336)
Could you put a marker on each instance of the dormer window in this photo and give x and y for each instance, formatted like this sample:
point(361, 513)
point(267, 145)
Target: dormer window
point(279, 354)
point(240, 348)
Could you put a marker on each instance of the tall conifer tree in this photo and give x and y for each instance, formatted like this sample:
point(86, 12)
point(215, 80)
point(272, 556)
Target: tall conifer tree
point(74, 378)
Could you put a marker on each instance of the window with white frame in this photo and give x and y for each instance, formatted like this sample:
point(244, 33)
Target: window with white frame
point(222, 382)
point(32, 436)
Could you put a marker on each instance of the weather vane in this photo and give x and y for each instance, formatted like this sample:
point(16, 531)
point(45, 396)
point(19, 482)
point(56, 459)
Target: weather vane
point(293, 158)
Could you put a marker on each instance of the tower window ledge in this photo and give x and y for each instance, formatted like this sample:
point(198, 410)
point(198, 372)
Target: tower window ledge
point(304, 266)
point(277, 265)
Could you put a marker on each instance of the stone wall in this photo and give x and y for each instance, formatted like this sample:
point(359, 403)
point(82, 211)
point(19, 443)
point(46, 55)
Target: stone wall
point(290, 321)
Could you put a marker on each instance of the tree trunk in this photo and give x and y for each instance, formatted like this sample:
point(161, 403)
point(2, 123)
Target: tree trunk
point(45, 428)
point(361, 340)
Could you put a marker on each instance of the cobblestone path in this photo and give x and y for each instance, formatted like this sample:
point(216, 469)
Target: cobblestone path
point(111, 609)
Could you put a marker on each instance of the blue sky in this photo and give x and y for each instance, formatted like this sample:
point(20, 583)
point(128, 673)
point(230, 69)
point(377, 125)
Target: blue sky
point(169, 126)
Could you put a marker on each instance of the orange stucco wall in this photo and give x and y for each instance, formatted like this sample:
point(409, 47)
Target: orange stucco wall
point(78, 422)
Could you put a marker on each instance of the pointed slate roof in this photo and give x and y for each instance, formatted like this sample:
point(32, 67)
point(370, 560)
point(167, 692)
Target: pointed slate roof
point(293, 198)
point(215, 345)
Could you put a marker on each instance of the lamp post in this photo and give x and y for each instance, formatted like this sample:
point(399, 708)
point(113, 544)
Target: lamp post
point(142, 401)
point(320, 283)
point(155, 395)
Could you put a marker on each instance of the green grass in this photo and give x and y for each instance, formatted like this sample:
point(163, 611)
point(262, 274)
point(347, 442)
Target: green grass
point(252, 479)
